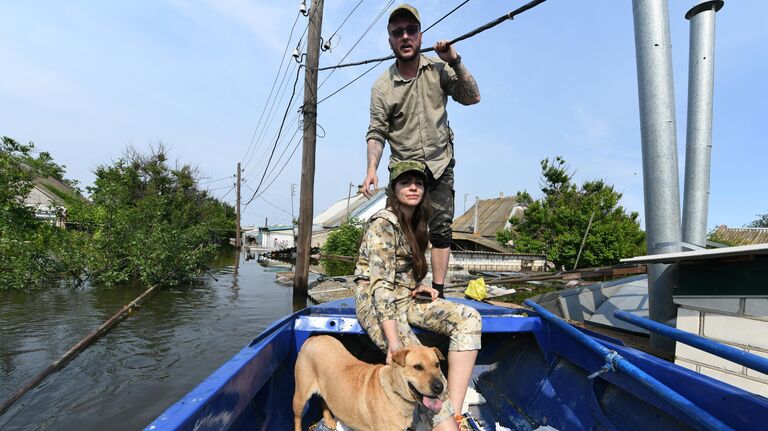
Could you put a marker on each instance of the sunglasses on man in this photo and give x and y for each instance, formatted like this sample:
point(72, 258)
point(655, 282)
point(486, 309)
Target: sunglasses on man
point(411, 29)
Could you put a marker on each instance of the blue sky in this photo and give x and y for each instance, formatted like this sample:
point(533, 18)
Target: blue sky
point(84, 79)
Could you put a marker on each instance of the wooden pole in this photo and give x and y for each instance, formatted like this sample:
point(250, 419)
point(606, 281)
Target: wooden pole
point(238, 234)
point(293, 218)
point(584, 239)
point(306, 197)
point(349, 197)
point(79, 347)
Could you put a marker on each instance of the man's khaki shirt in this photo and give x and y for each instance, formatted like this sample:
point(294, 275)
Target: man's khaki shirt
point(410, 113)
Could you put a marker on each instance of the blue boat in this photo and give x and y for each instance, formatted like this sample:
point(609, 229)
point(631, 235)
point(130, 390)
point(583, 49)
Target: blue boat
point(533, 370)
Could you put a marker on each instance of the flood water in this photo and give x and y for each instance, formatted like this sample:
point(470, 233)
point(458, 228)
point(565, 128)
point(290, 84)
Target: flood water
point(145, 363)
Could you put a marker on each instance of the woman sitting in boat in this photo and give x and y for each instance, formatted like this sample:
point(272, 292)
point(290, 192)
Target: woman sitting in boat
point(390, 297)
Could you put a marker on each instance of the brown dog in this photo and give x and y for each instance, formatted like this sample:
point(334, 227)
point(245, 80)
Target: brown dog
point(367, 397)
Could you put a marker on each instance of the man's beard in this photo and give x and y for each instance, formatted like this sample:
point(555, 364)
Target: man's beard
point(415, 50)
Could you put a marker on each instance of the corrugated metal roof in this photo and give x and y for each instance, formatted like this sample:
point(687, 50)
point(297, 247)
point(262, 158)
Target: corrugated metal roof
point(743, 250)
point(740, 235)
point(493, 216)
point(336, 214)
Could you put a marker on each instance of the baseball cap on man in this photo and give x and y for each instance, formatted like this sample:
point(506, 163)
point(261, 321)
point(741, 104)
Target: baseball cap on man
point(397, 169)
point(405, 8)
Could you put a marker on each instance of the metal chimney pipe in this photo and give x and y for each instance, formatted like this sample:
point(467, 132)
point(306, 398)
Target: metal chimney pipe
point(659, 148)
point(476, 229)
point(698, 147)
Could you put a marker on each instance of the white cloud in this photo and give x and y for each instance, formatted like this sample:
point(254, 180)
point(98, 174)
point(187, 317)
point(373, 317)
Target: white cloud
point(593, 130)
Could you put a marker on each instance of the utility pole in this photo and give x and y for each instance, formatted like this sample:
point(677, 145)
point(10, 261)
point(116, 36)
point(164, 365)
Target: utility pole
point(349, 197)
point(293, 219)
point(237, 216)
point(306, 197)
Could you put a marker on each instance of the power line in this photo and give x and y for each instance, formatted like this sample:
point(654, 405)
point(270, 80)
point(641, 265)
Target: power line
point(267, 170)
point(273, 205)
point(283, 167)
point(275, 103)
point(375, 65)
point(218, 188)
point(345, 20)
point(281, 91)
point(349, 83)
point(228, 192)
point(269, 161)
point(290, 140)
point(282, 123)
point(290, 104)
point(494, 23)
point(285, 51)
point(293, 119)
point(214, 181)
point(271, 113)
point(359, 39)
point(445, 16)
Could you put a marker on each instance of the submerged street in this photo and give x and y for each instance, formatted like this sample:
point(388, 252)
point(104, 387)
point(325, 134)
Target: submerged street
point(145, 363)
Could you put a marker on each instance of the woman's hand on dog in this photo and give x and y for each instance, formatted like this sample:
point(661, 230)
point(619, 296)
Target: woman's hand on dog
point(391, 350)
point(423, 291)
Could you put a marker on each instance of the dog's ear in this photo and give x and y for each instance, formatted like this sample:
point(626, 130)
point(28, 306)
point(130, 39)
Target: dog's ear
point(399, 357)
point(439, 354)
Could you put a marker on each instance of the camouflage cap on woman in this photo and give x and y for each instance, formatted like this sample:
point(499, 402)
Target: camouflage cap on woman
point(409, 166)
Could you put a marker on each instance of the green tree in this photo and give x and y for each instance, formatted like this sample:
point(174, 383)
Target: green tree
point(344, 241)
point(148, 222)
point(25, 258)
point(761, 221)
point(555, 225)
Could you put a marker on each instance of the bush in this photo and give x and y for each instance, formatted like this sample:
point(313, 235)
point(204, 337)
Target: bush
point(344, 241)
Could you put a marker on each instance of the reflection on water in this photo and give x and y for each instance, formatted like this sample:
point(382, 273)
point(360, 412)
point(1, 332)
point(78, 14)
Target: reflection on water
point(145, 363)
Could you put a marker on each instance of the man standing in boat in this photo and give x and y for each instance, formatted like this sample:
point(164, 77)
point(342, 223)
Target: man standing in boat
point(408, 109)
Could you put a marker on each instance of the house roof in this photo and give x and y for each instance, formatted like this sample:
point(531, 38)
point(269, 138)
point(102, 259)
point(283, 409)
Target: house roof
point(483, 241)
point(336, 214)
point(743, 250)
point(493, 216)
point(740, 235)
point(276, 227)
point(54, 188)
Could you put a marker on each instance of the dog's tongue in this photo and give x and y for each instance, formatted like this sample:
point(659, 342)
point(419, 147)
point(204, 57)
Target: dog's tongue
point(433, 404)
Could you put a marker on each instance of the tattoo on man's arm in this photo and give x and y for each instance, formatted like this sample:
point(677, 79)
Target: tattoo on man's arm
point(467, 88)
point(375, 150)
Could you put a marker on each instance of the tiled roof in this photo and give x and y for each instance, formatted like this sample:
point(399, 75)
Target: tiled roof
point(493, 216)
point(740, 235)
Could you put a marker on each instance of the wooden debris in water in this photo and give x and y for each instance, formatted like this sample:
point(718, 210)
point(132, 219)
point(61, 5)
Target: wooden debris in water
point(331, 289)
